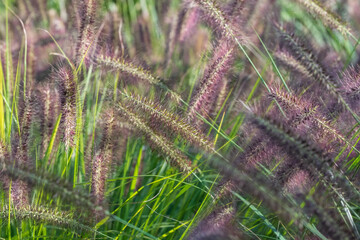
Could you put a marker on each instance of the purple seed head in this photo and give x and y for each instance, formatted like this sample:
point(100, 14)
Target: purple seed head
point(209, 85)
point(350, 86)
point(189, 24)
point(298, 182)
point(87, 39)
point(216, 225)
point(67, 90)
point(48, 109)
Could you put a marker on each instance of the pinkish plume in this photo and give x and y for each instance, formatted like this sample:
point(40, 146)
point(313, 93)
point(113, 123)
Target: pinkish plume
point(209, 85)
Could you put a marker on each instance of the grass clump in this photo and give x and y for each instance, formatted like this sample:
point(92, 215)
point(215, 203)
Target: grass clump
point(142, 120)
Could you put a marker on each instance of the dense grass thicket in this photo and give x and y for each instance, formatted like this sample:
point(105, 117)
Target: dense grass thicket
point(180, 119)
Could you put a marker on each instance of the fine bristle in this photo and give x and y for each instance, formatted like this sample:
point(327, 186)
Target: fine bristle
point(187, 119)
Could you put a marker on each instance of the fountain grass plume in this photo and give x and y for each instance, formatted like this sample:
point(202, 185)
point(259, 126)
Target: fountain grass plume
point(102, 161)
point(307, 59)
point(140, 134)
point(295, 148)
point(159, 115)
point(42, 214)
point(187, 21)
point(261, 188)
point(50, 184)
point(313, 159)
point(350, 86)
point(20, 190)
point(216, 226)
point(87, 30)
point(208, 88)
point(67, 90)
point(302, 111)
point(328, 18)
point(316, 70)
point(217, 15)
point(159, 141)
point(127, 67)
point(48, 107)
point(261, 150)
point(286, 59)
point(136, 71)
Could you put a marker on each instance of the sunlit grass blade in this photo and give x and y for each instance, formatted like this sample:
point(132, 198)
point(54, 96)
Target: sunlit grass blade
point(52, 140)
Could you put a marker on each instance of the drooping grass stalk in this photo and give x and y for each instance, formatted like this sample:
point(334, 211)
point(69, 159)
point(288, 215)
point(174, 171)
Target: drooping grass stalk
point(288, 60)
point(308, 61)
point(260, 188)
point(63, 190)
point(327, 220)
point(159, 141)
point(328, 18)
point(186, 24)
point(312, 157)
point(302, 112)
point(285, 205)
point(49, 184)
point(178, 125)
point(129, 68)
point(171, 120)
point(102, 162)
point(44, 215)
point(68, 93)
point(136, 71)
point(209, 85)
point(213, 10)
point(316, 71)
point(217, 225)
point(218, 16)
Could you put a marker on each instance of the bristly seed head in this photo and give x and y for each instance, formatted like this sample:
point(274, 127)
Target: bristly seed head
point(101, 163)
point(165, 120)
point(68, 88)
point(329, 18)
point(158, 140)
point(209, 85)
point(350, 86)
point(87, 34)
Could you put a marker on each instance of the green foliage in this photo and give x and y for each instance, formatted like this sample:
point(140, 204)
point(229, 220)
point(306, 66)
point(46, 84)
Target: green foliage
point(192, 119)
